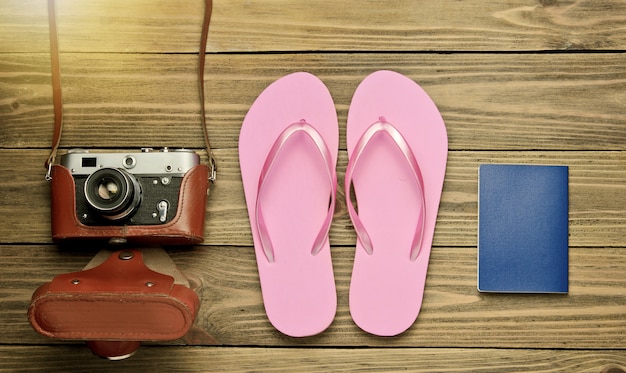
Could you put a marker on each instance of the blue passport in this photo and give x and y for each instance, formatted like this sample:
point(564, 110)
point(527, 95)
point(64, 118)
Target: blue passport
point(522, 228)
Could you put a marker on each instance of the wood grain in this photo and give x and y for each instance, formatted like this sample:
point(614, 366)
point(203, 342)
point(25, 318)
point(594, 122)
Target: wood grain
point(489, 101)
point(517, 81)
point(326, 25)
point(454, 313)
point(254, 359)
point(597, 198)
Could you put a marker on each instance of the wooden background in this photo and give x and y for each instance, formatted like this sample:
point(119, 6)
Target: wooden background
point(522, 81)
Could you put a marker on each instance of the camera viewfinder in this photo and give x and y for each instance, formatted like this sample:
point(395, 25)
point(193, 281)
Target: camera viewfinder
point(89, 162)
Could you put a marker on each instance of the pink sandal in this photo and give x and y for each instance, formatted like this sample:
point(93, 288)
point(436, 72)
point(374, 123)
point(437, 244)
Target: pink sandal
point(397, 146)
point(288, 154)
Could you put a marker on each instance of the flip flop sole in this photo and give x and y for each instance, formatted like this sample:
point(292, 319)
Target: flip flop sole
point(387, 285)
point(293, 192)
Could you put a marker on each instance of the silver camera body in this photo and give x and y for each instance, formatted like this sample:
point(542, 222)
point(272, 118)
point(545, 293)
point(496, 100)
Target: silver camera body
point(134, 188)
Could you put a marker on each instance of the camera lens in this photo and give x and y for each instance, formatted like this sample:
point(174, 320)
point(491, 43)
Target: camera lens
point(113, 192)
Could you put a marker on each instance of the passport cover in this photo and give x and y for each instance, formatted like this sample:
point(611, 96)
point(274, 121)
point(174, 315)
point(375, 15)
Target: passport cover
point(522, 228)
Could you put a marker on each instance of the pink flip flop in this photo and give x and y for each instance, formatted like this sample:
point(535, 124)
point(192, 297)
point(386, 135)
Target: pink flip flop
point(288, 153)
point(397, 147)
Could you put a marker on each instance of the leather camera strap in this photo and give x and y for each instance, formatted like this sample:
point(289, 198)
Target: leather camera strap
point(57, 98)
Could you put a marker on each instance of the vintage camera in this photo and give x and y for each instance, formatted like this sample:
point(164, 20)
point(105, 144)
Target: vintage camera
point(128, 188)
point(148, 195)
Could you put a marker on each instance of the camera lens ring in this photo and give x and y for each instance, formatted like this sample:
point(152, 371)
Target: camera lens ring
point(113, 192)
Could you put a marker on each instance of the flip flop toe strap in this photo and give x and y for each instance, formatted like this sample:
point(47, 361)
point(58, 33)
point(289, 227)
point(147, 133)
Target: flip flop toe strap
point(324, 152)
point(383, 127)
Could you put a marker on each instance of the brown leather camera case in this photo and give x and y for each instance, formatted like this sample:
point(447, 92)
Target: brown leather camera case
point(185, 229)
point(119, 300)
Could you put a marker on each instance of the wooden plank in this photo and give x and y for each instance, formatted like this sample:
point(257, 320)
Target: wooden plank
point(252, 359)
point(597, 198)
point(292, 25)
point(129, 82)
point(453, 314)
point(489, 101)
